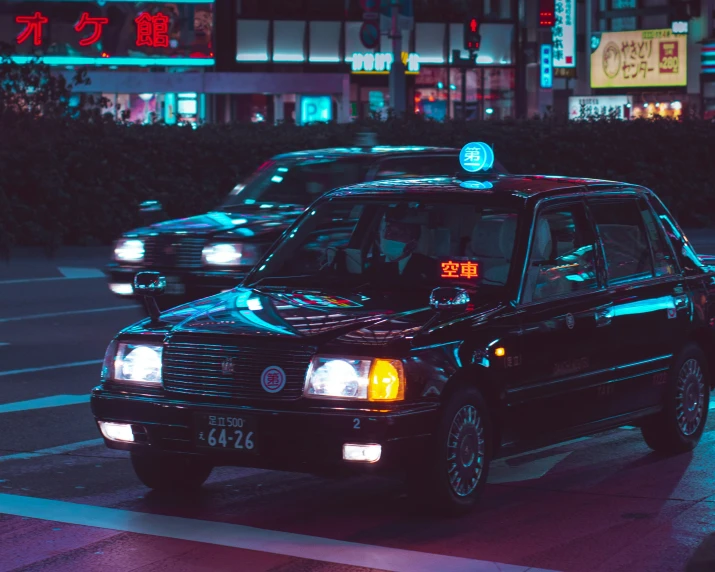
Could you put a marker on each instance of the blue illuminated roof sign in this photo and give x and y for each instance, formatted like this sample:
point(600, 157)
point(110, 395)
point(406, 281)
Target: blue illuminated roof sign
point(475, 157)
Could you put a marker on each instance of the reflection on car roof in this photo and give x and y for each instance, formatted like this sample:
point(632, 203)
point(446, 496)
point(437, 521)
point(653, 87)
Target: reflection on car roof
point(523, 186)
point(364, 151)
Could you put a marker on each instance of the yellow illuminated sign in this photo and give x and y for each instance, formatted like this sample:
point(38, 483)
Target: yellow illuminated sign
point(381, 62)
point(644, 58)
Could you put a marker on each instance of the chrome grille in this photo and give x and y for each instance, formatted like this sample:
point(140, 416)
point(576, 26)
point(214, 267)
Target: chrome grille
point(173, 251)
point(196, 368)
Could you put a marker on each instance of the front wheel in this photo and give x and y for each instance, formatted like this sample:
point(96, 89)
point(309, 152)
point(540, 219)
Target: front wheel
point(678, 428)
point(458, 462)
point(171, 472)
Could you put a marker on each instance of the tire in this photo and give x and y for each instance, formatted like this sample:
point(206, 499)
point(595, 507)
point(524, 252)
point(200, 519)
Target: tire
point(438, 485)
point(678, 428)
point(170, 472)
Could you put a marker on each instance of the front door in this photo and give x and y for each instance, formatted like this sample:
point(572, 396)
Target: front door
point(565, 326)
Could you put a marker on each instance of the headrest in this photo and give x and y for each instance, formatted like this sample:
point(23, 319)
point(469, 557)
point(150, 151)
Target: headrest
point(541, 248)
point(493, 237)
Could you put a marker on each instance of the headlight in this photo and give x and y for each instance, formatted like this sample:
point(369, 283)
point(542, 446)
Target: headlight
point(129, 250)
point(138, 363)
point(230, 254)
point(346, 378)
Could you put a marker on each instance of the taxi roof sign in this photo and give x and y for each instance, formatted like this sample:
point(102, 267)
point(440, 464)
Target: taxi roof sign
point(475, 157)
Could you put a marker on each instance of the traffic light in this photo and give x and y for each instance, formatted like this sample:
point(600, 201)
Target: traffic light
point(547, 9)
point(472, 39)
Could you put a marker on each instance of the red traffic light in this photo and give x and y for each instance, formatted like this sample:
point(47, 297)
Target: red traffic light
point(547, 10)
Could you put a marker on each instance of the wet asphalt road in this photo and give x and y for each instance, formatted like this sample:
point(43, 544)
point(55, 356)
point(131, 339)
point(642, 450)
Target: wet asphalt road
point(68, 504)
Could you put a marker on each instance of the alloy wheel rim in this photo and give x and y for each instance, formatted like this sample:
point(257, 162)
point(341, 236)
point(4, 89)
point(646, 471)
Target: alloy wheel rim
point(690, 397)
point(465, 451)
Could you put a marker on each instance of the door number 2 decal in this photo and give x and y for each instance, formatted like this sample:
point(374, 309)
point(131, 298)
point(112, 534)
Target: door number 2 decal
point(356, 423)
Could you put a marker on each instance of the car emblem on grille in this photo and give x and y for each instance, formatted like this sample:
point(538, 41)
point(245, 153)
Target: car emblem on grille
point(227, 366)
point(171, 249)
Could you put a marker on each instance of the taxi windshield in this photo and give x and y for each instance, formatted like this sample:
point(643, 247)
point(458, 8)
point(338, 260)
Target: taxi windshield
point(409, 244)
point(292, 181)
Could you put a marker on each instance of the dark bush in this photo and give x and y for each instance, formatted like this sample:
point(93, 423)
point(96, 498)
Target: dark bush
point(79, 182)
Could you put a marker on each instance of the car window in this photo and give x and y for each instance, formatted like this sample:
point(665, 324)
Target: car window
point(686, 254)
point(561, 260)
point(663, 259)
point(623, 235)
point(415, 167)
point(401, 243)
point(297, 182)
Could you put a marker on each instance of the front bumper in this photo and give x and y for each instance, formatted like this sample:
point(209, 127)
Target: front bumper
point(309, 441)
point(182, 284)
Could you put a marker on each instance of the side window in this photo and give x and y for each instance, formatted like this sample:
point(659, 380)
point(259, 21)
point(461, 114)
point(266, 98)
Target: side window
point(561, 261)
point(623, 234)
point(663, 261)
point(417, 167)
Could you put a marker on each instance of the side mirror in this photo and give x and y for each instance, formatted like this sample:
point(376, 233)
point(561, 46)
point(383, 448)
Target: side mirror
point(449, 298)
point(150, 285)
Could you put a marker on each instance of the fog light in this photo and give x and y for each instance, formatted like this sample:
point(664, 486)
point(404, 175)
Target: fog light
point(117, 431)
point(122, 289)
point(362, 453)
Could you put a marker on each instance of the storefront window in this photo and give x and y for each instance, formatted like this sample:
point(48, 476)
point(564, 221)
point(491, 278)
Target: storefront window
point(288, 41)
point(625, 23)
point(325, 41)
point(252, 41)
point(498, 93)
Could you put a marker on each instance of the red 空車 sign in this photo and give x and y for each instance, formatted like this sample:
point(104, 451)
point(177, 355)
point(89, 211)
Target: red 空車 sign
point(460, 269)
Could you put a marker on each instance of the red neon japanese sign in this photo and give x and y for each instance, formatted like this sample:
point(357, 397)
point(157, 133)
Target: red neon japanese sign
point(33, 26)
point(97, 23)
point(152, 30)
point(455, 270)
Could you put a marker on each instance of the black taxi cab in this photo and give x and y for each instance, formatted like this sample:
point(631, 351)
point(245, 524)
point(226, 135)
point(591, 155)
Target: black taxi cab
point(427, 327)
point(205, 254)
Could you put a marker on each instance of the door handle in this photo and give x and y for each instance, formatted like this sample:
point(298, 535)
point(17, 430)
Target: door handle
point(680, 299)
point(604, 315)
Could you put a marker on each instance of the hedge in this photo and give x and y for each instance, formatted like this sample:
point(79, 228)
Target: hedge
point(72, 182)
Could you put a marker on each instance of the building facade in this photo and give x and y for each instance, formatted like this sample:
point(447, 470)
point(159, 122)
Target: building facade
point(322, 60)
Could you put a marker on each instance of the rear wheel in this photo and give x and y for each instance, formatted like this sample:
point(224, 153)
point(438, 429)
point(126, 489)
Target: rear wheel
point(680, 425)
point(458, 461)
point(171, 472)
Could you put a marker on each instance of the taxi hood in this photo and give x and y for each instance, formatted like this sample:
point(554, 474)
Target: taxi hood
point(242, 223)
point(314, 316)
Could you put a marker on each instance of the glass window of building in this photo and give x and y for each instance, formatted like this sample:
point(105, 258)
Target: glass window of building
point(429, 42)
point(288, 41)
point(252, 41)
point(324, 42)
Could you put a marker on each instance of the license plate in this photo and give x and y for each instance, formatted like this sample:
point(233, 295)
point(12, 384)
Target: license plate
point(228, 432)
point(174, 286)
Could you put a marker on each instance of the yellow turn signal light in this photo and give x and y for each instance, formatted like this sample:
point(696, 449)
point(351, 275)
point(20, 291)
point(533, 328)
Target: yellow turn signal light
point(387, 381)
point(499, 352)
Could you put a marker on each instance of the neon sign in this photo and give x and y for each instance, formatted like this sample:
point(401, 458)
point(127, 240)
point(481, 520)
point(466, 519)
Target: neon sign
point(84, 21)
point(381, 63)
point(180, 34)
point(33, 27)
point(152, 30)
point(455, 270)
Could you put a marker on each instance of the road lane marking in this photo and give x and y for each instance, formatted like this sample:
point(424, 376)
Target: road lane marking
point(75, 273)
point(28, 280)
point(60, 450)
point(43, 402)
point(247, 537)
point(49, 367)
point(68, 313)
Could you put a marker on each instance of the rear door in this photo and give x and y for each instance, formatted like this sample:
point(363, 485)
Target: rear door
point(565, 350)
point(649, 304)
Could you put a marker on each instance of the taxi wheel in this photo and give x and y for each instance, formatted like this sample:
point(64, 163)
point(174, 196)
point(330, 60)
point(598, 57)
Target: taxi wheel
point(461, 453)
point(678, 428)
point(170, 472)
